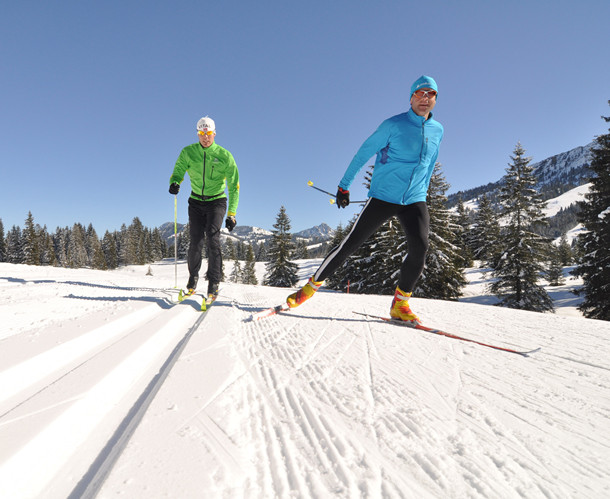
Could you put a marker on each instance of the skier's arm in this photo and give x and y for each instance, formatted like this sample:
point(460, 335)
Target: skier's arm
point(233, 186)
point(179, 169)
point(370, 147)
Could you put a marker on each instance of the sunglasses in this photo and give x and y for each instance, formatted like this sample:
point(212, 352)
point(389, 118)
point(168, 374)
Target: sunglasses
point(209, 132)
point(420, 94)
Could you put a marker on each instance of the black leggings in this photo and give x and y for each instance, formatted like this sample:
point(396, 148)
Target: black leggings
point(205, 222)
point(415, 222)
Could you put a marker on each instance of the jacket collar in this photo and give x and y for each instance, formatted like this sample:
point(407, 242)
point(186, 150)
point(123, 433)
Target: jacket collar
point(417, 118)
point(211, 148)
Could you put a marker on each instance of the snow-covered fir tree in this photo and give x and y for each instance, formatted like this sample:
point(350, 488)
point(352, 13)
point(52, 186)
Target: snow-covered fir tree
point(109, 247)
point(301, 252)
point(77, 247)
point(485, 233)
point(236, 272)
point(97, 259)
point(280, 271)
point(2, 243)
point(443, 277)
point(184, 241)
point(339, 279)
point(31, 244)
point(249, 271)
point(594, 266)
point(523, 251)
point(566, 255)
point(14, 246)
point(47, 248)
point(554, 273)
point(465, 235)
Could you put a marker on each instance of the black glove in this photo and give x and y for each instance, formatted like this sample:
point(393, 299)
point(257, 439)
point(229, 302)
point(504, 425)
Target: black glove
point(230, 223)
point(342, 198)
point(174, 188)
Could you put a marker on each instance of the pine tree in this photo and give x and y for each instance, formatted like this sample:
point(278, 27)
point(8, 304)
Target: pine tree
point(443, 277)
point(301, 252)
point(594, 266)
point(77, 247)
point(184, 242)
point(109, 247)
point(566, 256)
point(339, 279)
point(31, 244)
point(60, 244)
point(554, 274)
point(523, 251)
point(465, 235)
point(486, 233)
point(281, 272)
point(159, 248)
point(14, 246)
point(249, 272)
point(47, 248)
point(236, 272)
point(2, 243)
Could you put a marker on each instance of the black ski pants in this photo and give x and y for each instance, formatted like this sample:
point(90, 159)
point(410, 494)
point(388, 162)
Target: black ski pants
point(415, 221)
point(205, 221)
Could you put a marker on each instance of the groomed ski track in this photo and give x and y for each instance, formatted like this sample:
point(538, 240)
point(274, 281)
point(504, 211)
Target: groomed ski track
point(311, 403)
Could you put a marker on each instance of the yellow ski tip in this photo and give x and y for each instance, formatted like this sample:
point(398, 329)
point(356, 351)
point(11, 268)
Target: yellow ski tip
point(309, 183)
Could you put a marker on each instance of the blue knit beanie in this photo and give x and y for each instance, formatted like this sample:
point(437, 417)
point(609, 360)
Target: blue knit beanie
point(423, 82)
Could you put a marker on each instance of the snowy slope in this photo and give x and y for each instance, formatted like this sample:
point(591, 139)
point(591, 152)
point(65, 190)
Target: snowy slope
point(313, 403)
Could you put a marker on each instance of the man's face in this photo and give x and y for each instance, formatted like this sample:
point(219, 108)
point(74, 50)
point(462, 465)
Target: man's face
point(423, 101)
point(206, 139)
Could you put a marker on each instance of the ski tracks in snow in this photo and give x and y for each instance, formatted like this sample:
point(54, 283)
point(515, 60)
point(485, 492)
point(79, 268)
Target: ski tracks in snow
point(74, 393)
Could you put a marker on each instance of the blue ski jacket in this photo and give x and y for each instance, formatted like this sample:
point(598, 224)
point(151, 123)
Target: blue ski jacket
point(407, 147)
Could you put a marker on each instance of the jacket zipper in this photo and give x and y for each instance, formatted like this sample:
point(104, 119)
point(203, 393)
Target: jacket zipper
point(421, 155)
point(203, 177)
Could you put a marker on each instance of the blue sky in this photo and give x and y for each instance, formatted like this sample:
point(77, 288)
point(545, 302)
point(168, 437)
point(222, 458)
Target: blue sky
point(98, 98)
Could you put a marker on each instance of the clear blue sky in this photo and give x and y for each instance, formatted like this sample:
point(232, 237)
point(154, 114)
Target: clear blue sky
point(98, 98)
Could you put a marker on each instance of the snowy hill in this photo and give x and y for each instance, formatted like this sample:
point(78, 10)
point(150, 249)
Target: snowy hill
point(251, 235)
point(569, 167)
point(556, 174)
point(105, 382)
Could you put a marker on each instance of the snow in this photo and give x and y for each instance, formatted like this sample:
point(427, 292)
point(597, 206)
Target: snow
point(317, 402)
point(566, 199)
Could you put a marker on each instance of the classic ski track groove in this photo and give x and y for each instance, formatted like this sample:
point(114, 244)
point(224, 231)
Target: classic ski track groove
point(42, 377)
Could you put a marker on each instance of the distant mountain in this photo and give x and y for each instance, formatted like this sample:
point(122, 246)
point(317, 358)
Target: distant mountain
point(167, 230)
point(318, 233)
point(256, 235)
point(557, 175)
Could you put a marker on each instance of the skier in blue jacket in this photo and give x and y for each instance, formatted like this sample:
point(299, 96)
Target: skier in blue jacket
point(406, 148)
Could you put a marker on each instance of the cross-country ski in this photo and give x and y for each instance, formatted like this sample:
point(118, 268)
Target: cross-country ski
point(421, 327)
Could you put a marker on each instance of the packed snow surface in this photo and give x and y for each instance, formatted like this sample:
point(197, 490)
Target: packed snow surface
point(108, 387)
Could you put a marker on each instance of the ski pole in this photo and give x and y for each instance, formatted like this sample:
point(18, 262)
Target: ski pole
point(332, 201)
point(310, 184)
point(175, 241)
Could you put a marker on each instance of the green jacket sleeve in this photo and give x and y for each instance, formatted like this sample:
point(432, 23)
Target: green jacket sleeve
point(180, 168)
point(233, 186)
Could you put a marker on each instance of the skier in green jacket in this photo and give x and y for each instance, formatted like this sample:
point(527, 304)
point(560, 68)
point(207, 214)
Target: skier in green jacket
point(211, 170)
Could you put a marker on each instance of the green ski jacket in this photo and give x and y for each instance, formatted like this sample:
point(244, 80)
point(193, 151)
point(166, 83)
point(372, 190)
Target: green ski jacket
point(210, 171)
